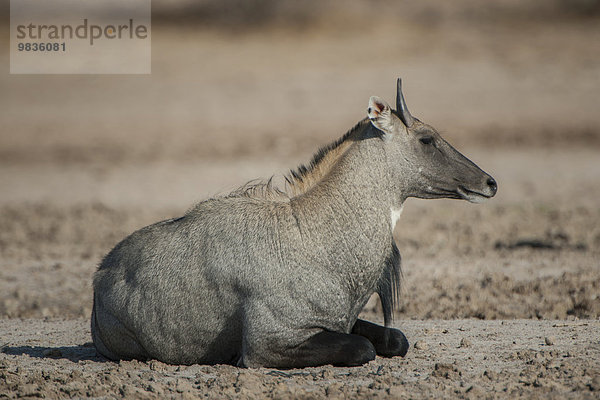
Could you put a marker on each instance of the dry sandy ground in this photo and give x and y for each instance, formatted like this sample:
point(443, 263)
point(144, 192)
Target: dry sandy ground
point(457, 358)
point(84, 161)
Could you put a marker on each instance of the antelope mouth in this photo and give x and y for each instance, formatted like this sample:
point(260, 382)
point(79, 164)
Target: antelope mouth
point(472, 196)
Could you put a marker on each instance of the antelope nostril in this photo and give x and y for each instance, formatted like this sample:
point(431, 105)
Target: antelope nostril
point(492, 183)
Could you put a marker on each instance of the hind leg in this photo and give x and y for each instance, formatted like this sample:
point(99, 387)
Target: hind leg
point(112, 339)
point(388, 342)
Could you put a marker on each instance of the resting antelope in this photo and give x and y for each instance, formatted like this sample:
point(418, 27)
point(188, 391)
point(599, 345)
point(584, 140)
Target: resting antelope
point(264, 277)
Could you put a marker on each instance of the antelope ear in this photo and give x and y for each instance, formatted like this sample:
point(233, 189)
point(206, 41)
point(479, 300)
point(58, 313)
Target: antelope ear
point(380, 114)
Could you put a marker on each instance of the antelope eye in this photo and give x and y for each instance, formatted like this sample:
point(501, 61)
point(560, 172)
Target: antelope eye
point(426, 140)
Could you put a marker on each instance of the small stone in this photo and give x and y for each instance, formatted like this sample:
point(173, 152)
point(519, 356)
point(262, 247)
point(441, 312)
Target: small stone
point(491, 375)
point(448, 371)
point(421, 345)
point(326, 374)
point(156, 365)
point(183, 386)
point(154, 388)
point(333, 390)
point(475, 392)
point(550, 340)
point(464, 342)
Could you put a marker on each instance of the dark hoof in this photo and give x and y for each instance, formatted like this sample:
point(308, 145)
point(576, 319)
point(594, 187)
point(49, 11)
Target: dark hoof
point(395, 344)
point(365, 352)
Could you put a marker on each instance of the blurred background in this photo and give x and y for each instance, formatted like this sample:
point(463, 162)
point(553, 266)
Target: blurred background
point(246, 89)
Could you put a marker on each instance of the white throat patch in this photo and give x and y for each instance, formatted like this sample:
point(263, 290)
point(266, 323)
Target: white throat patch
point(395, 215)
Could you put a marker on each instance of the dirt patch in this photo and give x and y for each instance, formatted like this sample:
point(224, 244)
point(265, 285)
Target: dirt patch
point(463, 358)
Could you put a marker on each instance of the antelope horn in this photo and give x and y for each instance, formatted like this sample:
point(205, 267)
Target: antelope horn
point(401, 106)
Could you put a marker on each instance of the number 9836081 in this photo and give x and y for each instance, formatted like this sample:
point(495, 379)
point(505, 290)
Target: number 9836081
point(35, 46)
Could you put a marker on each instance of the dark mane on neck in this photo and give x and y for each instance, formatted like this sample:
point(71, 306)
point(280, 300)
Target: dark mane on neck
point(306, 176)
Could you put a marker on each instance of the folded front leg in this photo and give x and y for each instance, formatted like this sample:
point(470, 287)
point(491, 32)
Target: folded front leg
point(388, 342)
point(325, 347)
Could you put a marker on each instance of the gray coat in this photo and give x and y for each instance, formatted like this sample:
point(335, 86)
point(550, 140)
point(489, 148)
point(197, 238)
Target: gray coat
point(256, 277)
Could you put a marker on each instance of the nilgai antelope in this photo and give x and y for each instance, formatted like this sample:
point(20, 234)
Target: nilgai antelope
point(277, 278)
